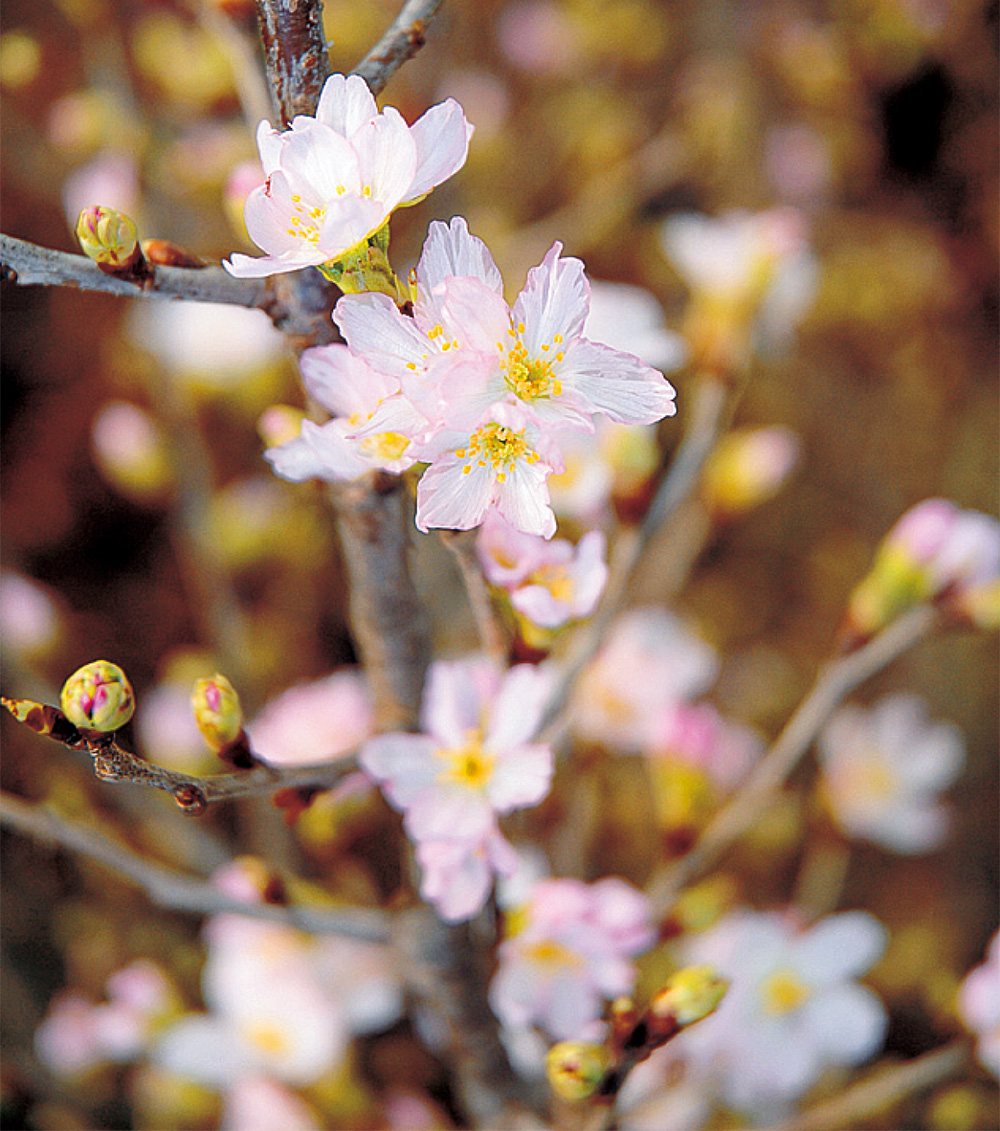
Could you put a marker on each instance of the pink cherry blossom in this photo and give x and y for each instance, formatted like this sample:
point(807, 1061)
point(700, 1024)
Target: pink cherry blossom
point(333, 179)
point(258, 1103)
point(574, 950)
point(884, 770)
point(979, 1004)
point(792, 1008)
point(456, 875)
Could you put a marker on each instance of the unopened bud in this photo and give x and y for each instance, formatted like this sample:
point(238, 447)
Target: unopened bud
point(217, 711)
point(575, 1069)
point(98, 697)
point(747, 468)
point(690, 995)
point(279, 424)
point(108, 237)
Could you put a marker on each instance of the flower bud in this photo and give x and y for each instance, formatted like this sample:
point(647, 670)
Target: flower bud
point(748, 468)
point(217, 711)
point(279, 423)
point(575, 1069)
point(690, 995)
point(108, 237)
point(98, 697)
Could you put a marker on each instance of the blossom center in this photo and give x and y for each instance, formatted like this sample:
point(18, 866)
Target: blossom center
point(268, 1039)
point(498, 446)
point(385, 446)
point(469, 764)
point(558, 582)
point(550, 953)
point(783, 992)
point(529, 378)
point(304, 223)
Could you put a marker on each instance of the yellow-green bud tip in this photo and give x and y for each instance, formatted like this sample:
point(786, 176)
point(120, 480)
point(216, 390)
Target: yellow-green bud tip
point(108, 237)
point(690, 995)
point(576, 1068)
point(217, 711)
point(98, 697)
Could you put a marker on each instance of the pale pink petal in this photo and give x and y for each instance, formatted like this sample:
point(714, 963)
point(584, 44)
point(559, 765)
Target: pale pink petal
point(456, 878)
point(519, 705)
point(387, 156)
point(318, 453)
point(345, 104)
point(448, 813)
point(451, 251)
point(555, 300)
point(269, 145)
point(442, 138)
point(258, 1103)
point(523, 498)
point(319, 163)
point(840, 946)
point(474, 315)
point(374, 328)
point(455, 699)
point(847, 1024)
point(403, 764)
point(616, 384)
point(349, 221)
point(343, 383)
point(521, 777)
point(450, 499)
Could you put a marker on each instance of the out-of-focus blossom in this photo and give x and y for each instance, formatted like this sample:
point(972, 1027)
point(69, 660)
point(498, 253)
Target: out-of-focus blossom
point(549, 582)
point(77, 1034)
point(182, 59)
point(748, 467)
point(935, 552)
point(242, 180)
point(884, 769)
point(979, 1004)
point(131, 451)
point(752, 276)
point(474, 760)
point(111, 179)
point(537, 36)
point(98, 696)
point(793, 1007)
point(484, 97)
point(30, 624)
point(253, 520)
point(258, 1103)
point(314, 722)
point(650, 663)
point(798, 163)
point(630, 319)
point(405, 1111)
point(573, 948)
point(165, 727)
point(214, 345)
point(333, 179)
point(20, 59)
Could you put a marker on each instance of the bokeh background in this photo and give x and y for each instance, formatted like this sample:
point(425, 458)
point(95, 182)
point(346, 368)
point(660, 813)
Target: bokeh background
point(596, 119)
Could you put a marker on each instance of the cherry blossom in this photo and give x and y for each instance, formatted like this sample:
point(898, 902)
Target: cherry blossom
point(979, 1004)
point(883, 771)
point(573, 950)
point(333, 179)
point(792, 1008)
point(474, 758)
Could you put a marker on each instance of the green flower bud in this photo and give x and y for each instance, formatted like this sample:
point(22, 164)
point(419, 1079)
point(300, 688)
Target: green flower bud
point(217, 711)
point(575, 1069)
point(98, 697)
point(690, 995)
point(108, 237)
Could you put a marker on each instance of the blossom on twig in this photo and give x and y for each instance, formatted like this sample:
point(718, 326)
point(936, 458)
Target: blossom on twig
point(333, 179)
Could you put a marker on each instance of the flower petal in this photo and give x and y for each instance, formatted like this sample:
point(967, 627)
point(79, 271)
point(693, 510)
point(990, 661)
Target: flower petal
point(345, 104)
point(450, 250)
point(441, 137)
point(387, 157)
point(374, 328)
point(616, 384)
point(555, 300)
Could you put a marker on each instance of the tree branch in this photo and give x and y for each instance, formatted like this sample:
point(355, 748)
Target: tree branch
point(834, 682)
point(493, 637)
point(401, 42)
point(29, 265)
point(295, 54)
point(879, 1092)
point(176, 891)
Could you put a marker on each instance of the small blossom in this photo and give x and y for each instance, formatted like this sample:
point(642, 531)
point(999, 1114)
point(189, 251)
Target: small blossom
point(630, 319)
point(457, 874)
point(979, 1005)
point(792, 1007)
point(258, 1103)
point(883, 771)
point(314, 722)
point(573, 950)
point(474, 758)
point(651, 662)
point(98, 696)
point(131, 451)
point(935, 552)
point(333, 179)
point(29, 618)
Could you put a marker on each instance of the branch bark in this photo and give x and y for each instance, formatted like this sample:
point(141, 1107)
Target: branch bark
point(178, 892)
point(401, 42)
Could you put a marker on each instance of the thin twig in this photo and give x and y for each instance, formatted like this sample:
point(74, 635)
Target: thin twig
point(888, 1086)
point(401, 42)
point(494, 640)
point(174, 890)
point(30, 265)
point(708, 414)
point(835, 681)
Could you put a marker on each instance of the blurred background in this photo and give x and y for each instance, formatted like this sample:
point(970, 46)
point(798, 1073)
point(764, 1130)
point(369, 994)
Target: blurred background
point(140, 523)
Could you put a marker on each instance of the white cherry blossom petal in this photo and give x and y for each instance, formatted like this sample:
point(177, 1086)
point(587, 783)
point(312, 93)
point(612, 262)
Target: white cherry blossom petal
point(555, 301)
point(441, 137)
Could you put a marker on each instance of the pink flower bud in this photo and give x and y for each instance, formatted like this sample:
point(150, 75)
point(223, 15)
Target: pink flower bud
point(98, 697)
point(108, 237)
point(748, 468)
point(217, 711)
point(576, 1068)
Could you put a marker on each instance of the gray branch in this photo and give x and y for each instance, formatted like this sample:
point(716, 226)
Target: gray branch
point(401, 42)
